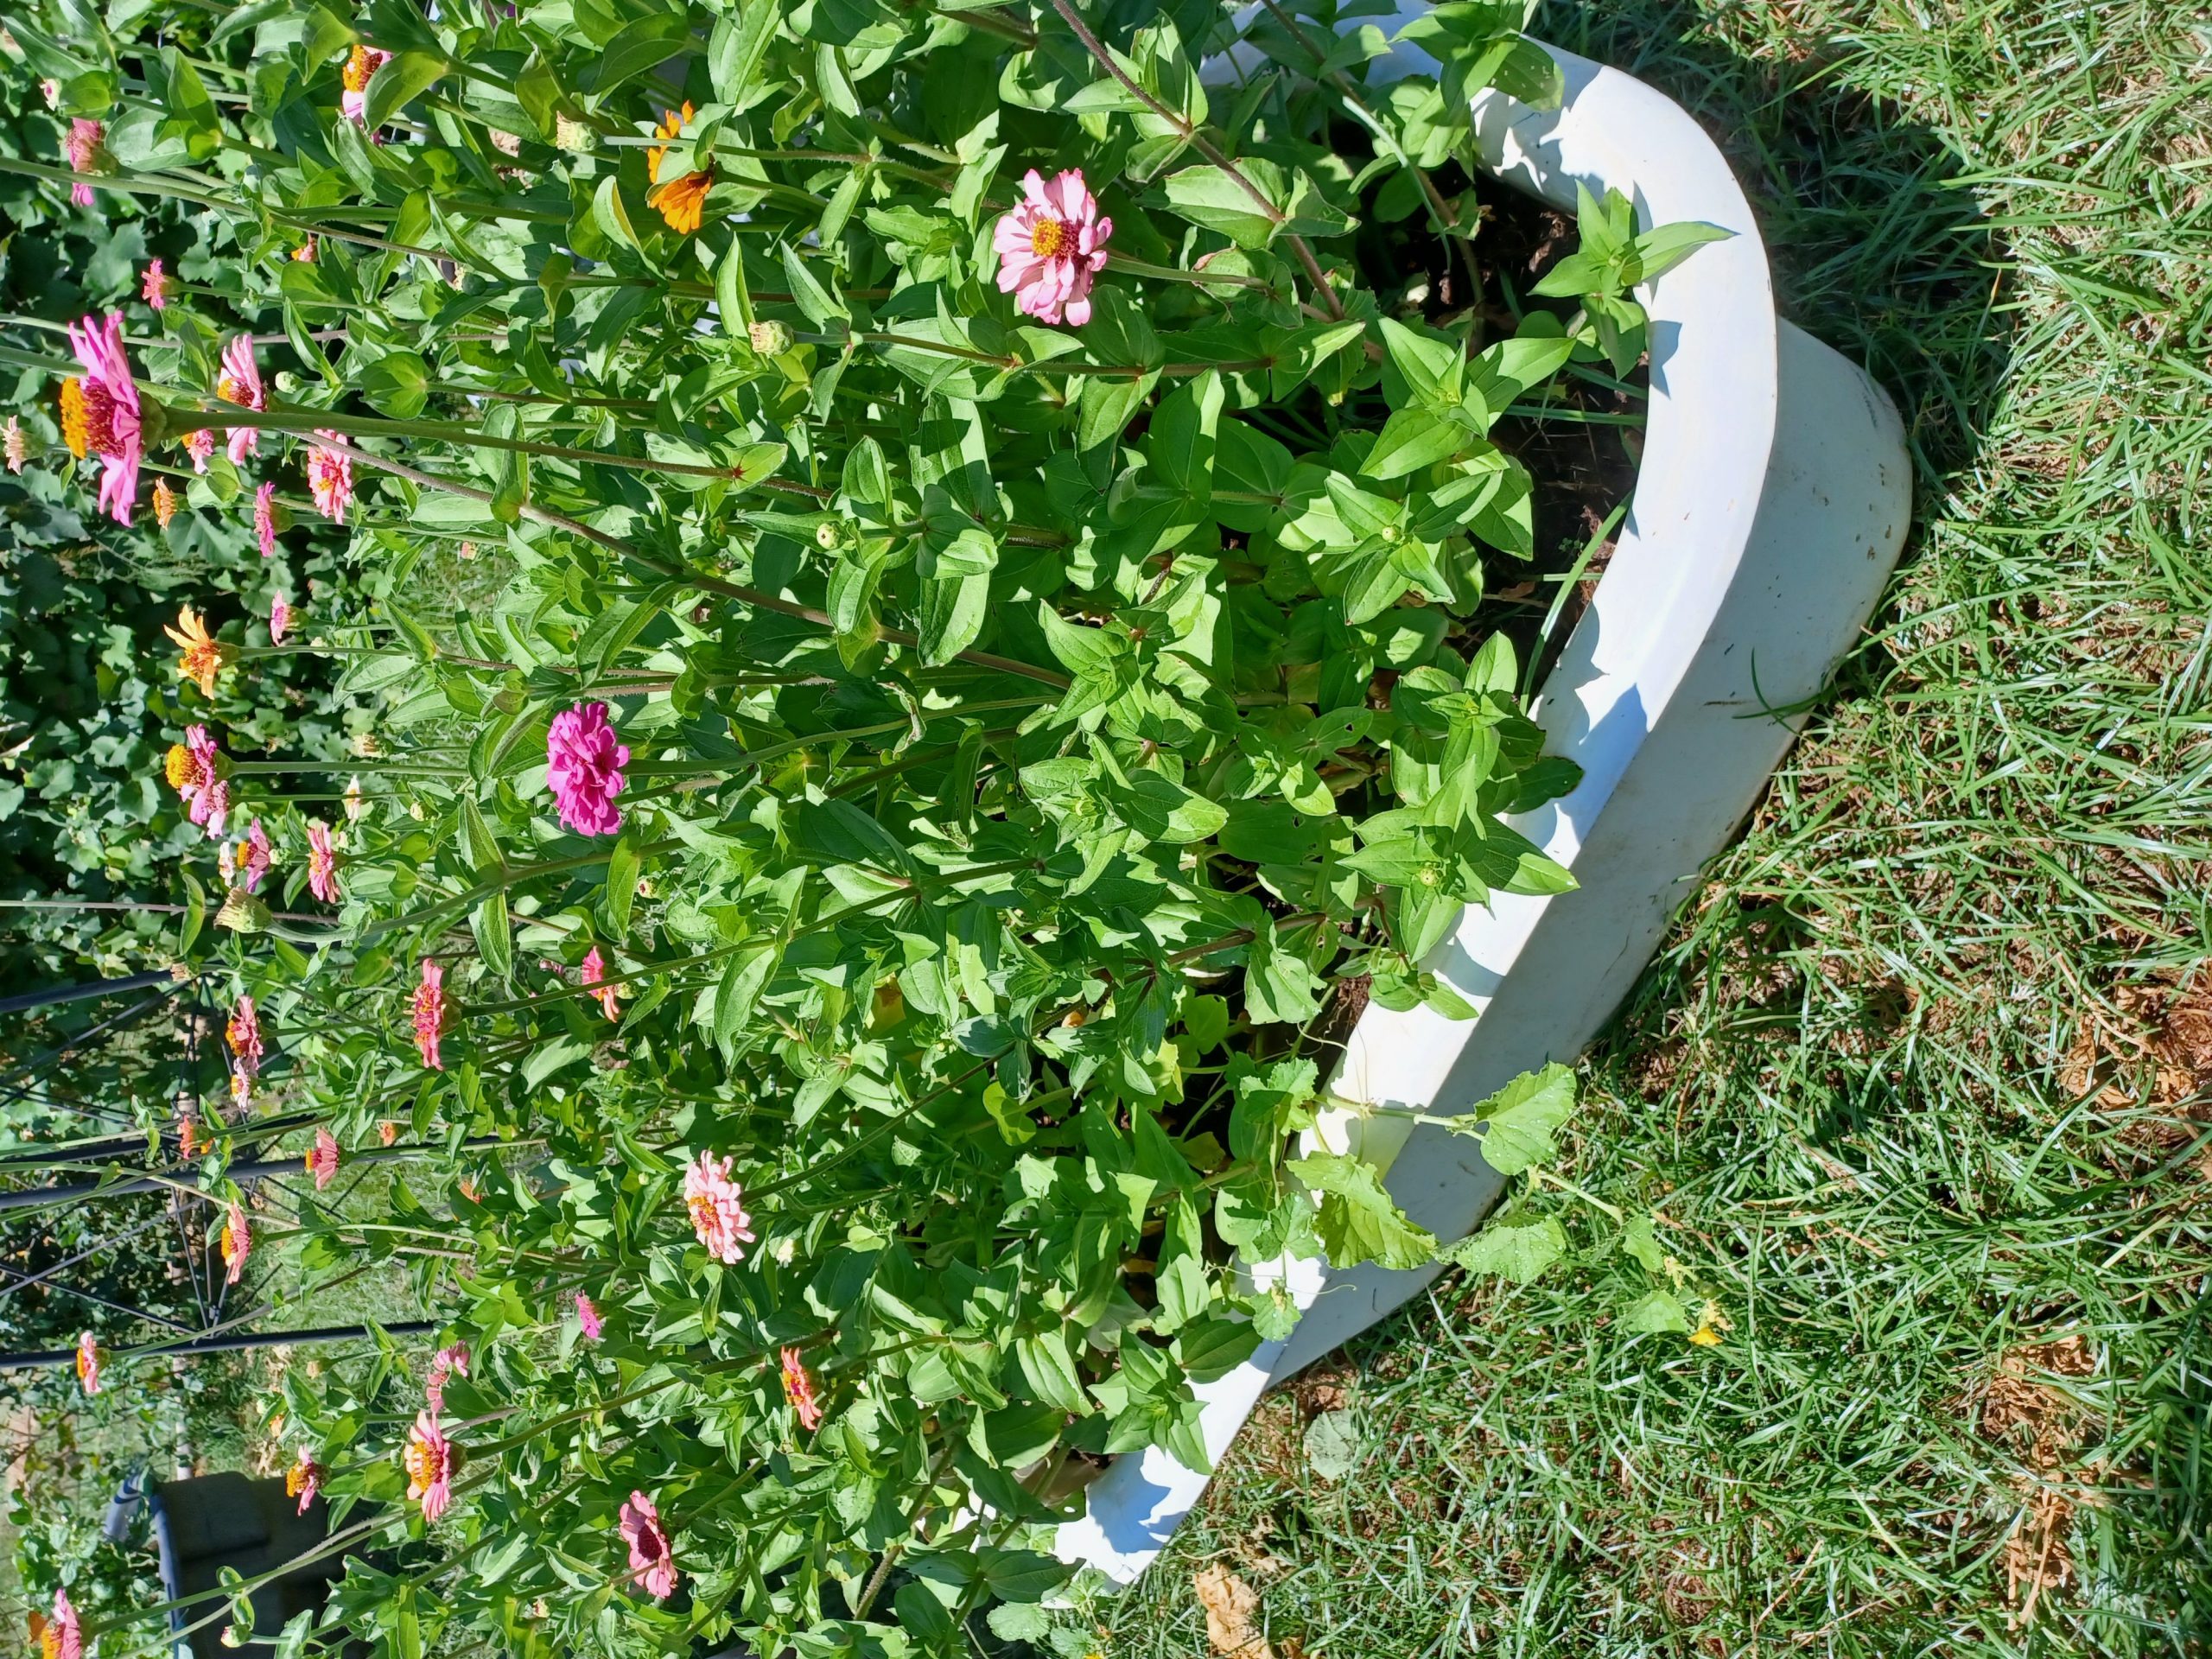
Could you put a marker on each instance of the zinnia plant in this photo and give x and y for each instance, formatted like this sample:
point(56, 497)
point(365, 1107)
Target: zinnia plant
point(977, 668)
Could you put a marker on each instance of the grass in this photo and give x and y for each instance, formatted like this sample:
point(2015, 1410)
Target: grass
point(1920, 1083)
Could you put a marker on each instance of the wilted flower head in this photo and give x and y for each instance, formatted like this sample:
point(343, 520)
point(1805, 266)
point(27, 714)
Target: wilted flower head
point(798, 1389)
point(199, 444)
point(595, 973)
point(188, 1143)
point(165, 503)
point(87, 146)
point(242, 1033)
point(264, 518)
point(50, 90)
point(1052, 247)
point(154, 288)
point(652, 1562)
point(322, 1159)
point(429, 1460)
point(361, 65)
point(280, 619)
point(303, 1479)
point(16, 443)
point(322, 863)
point(587, 1318)
point(305, 253)
point(355, 805)
point(240, 384)
point(387, 1131)
point(429, 1012)
point(717, 1215)
point(330, 476)
point(89, 1356)
point(100, 412)
point(202, 656)
point(238, 1243)
point(583, 768)
point(452, 1360)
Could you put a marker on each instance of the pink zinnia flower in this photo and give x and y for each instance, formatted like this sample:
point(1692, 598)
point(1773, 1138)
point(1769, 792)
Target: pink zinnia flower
point(429, 1460)
point(280, 619)
point(238, 1244)
point(361, 65)
point(244, 1034)
point(583, 767)
point(798, 1389)
point(253, 856)
point(430, 1010)
point(1051, 246)
point(63, 1637)
point(264, 518)
point(89, 1356)
point(100, 413)
point(87, 147)
point(717, 1217)
point(322, 1162)
point(155, 290)
point(330, 477)
point(587, 1318)
point(303, 1479)
point(240, 384)
point(449, 1361)
point(652, 1562)
point(595, 973)
point(199, 444)
point(322, 863)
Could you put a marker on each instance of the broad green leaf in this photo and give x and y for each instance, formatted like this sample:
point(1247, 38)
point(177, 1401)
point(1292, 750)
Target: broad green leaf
point(1359, 1221)
point(398, 82)
point(1211, 200)
point(1656, 1312)
point(1519, 1251)
point(1516, 1124)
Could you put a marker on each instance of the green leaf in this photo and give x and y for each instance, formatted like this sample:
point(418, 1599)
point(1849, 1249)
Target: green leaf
point(1411, 439)
point(1655, 1312)
point(402, 78)
point(1516, 1124)
point(1638, 1238)
point(1281, 986)
point(621, 889)
point(1359, 1221)
point(636, 46)
point(1515, 1251)
point(1210, 199)
point(1333, 1448)
point(612, 217)
point(742, 981)
point(1660, 249)
point(494, 935)
point(396, 385)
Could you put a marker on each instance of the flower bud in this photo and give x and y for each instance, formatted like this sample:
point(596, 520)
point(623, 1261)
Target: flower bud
point(573, 137)
point(242, 913)
point(831, 535)
point(770, 339)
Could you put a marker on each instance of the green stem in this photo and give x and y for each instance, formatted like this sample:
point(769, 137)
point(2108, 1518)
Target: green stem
point(307, 423)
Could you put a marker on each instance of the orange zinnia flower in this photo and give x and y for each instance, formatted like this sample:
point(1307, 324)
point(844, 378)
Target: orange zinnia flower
point(164, 503)
point(203, 656)
point(682, 202)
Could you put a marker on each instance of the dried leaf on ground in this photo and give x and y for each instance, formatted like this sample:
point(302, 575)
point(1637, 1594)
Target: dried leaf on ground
point(1229, 1603)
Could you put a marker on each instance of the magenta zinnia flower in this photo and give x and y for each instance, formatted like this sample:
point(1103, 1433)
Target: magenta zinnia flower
point(280, 619)
point(322, 1162)
point(240, 384)
point(199, 444)
point(430, 1010)
point(63, 1637)
point(798, 1389)
point(155, 290)
point(100, 412)
point(652, 1562)
point(303, 1479)
point(264, 518)
point(244, 1034)
point(89, 1355)
point(429, 1461)
point(449, 1361)
point(330, 477)
point(583, 767)
point(717, 1216)
point(1051, 246)
point(595, 973)
point(238, 1244)
point(87, 147)
point(196, 767)
point(587, 1318)
point(361, 65)
point(322, 863)
point(254, 855)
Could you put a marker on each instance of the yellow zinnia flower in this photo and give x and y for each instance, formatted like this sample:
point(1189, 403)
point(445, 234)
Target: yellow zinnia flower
point(202, 656)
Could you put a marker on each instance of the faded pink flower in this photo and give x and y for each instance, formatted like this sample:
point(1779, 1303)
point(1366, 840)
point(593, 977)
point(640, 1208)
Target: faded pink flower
point(240, 384)
point(15, 443)
point(89, 1356)
point(430, 1011)
point(238, 1244)
point(322, 863)
point(63, 1637)
point(199, 444)
point(87, 147)
point(253, 856)
point(330, 476)
point(216, 797)
point(583, 768)
point(717, 1216)
point(1051, 246)
point(798, 1389)
point(242, 1033)
point(198, 774)
point(264, 518)
point(429, 1460)
point(100, 413)
point(595, 973)
point(303, 1479)
point(50, 90)
point(154, 288)
point(652, 1562)
point(587, 1318)
point(322, 1162)
point(361, 65)
point(280, 619)
point(449, 1361)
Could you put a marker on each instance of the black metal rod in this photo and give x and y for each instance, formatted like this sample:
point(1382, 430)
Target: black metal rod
point(54, 994)
point(225, 1344)
point(40, 1198)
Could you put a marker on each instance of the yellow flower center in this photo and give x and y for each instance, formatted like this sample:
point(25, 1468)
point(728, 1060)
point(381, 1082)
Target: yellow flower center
point(1049, 236)
point(358, 70)
point(229, 390)
point(425, 1466)
point(703, 1212)
point(49, 1643)
point(180, 768)
point(74, 432)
